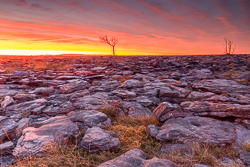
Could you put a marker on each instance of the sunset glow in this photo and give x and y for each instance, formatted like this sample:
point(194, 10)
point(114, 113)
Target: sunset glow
point(143, 27)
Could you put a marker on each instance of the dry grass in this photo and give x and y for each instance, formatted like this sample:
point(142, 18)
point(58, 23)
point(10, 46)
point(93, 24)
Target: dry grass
point(134, 134)
point(246, 146)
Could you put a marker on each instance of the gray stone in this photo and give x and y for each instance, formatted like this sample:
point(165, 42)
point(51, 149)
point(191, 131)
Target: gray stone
point(222, 86)
point(35, 140)
point(26, 107)
point(132, 158)
point(134, 109)
point(206, 108)
point(7, 128)
point(167, 110)
point(21, 97)
point(245, 157)
point(22, 124)
point(7, 101)
point(52, 111)
point(202, 74)
point(97, 140)
point(156, 162)
point(74, 86)
point(197, 129)
point(194, 95)
point(132, 83)
point(173, 148)
point(6, 148)
point(90, 118)
point(137, 158)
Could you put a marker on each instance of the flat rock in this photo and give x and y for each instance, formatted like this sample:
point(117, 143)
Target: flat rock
point(35, 140)
point(222, 86)
point(21, 97)
point(6, 148)
point(168, 110)
point(195, 129)
point(74, 86)
point(22, 124)
point(7, 128)
point(206, 108)
point(97, 140)
point(7, 101)
point(26, 107)
point(202, 74)
point(136, 157)
point(173, 148)
point(195, 95)
point(245, 157)
point(134, 109)
point(132, 83)
point(89, 118)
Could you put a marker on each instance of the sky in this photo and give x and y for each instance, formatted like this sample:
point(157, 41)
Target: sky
point(142, 27)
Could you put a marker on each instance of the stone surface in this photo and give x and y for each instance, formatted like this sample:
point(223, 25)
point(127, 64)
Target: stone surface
point(36, 140)
point(7, 101)
point(173, 148)
point(245, 157)
point(132, 83)
point(167, 110)
point(206, 108)
point(89, 118)
point(73, 86)
point(22, 124)
point(7, 128)
point(222, 86)
point(136, 157)
point(196, 129)
point(6, 148)
point(96, 140)
point(134, 109)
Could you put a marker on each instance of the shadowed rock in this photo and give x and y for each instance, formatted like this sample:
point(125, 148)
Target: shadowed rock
point(136, 157)
point(36, 140)
point(195, 129)
point(97, 140)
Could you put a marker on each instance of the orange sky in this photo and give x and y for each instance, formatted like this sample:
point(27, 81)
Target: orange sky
point(143, 27)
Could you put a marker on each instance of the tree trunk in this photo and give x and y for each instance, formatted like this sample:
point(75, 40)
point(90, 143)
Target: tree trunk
point(113, 50)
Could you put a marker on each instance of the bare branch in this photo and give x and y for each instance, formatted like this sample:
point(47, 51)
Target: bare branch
point(110, 41)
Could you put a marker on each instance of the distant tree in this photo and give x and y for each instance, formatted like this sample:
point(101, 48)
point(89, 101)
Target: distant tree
point(111, 41)
point(229, 46)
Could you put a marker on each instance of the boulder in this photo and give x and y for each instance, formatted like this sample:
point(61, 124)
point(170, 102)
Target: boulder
point(97, 140)
point(206, 108)
point(6, 148)
point(194, 95)
point(173, 148)
point(21, 97)
point(202, 74)
point(7, 128)
point(22, 124)
point(74, 86)
point(35, 106)
point(132, 83)
point(134, 109)
point(36, 140)
point(136, 157)
point(195, 129)
point(89, 118)
point(167, 110)
point(220, 86)
point(7, 101)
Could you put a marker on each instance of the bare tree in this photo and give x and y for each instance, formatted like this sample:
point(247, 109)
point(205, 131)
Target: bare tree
point(229, 47)
point(111, 41)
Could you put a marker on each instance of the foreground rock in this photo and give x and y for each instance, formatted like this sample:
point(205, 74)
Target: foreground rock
point(89, 118)
point(36, 140)
point(137, 157)
point(206, 108)
point(167, 110)
point(195, 129)
point(7, 128)
point(97, 140)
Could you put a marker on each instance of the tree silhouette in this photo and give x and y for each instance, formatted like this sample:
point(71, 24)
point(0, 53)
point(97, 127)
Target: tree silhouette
point(111, 41)
point(229, 46)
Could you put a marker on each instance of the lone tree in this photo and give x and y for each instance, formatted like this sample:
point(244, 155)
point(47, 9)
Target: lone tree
point(229, 46)
point(111, 41)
